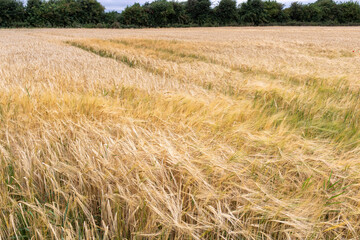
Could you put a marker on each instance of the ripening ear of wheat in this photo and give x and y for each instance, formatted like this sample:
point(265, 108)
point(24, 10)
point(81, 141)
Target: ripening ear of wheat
point(204, 133)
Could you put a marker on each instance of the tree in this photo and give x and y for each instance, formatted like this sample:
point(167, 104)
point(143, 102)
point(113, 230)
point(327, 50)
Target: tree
point(180, 16)
point(274, 12)
point(328, 10)
point(349, 12)
point(11, 13)
point(90, 11)
point(134, 15)
point(311, 13)
point(67, 12)
point(199, 11)
point(160, 13)
point(253, 12)
point(112, 18)
point(34, 13)
point(226, 12)
point(296, 12)
point(63, 13)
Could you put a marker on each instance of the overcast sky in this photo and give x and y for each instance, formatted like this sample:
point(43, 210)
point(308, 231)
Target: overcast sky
point(119, 5)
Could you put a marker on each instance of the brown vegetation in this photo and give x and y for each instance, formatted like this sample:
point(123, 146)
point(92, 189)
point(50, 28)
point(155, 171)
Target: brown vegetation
point(227, 133)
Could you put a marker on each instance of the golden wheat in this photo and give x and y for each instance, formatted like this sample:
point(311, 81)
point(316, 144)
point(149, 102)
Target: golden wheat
point(204, 133)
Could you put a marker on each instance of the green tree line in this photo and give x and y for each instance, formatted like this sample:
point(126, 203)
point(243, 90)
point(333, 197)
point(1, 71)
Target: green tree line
point(163, 13)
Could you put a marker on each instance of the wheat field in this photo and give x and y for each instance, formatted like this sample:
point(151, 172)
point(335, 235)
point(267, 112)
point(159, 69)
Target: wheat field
point(200, 133)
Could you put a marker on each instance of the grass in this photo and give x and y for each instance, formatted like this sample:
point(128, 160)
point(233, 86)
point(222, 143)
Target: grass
point(138, 134)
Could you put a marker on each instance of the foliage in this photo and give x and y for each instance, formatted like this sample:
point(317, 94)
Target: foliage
point(296, 12)
point(199, 11)
point(328, 10)
point(164, 13)
point(11, 11)
point(180, 16)
point(274, 12)
point(311, 13)
point(112, 17)
point(348, 12)
point(253, 12)
point(160, 13)
point(134, 15)
point(226, 12)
